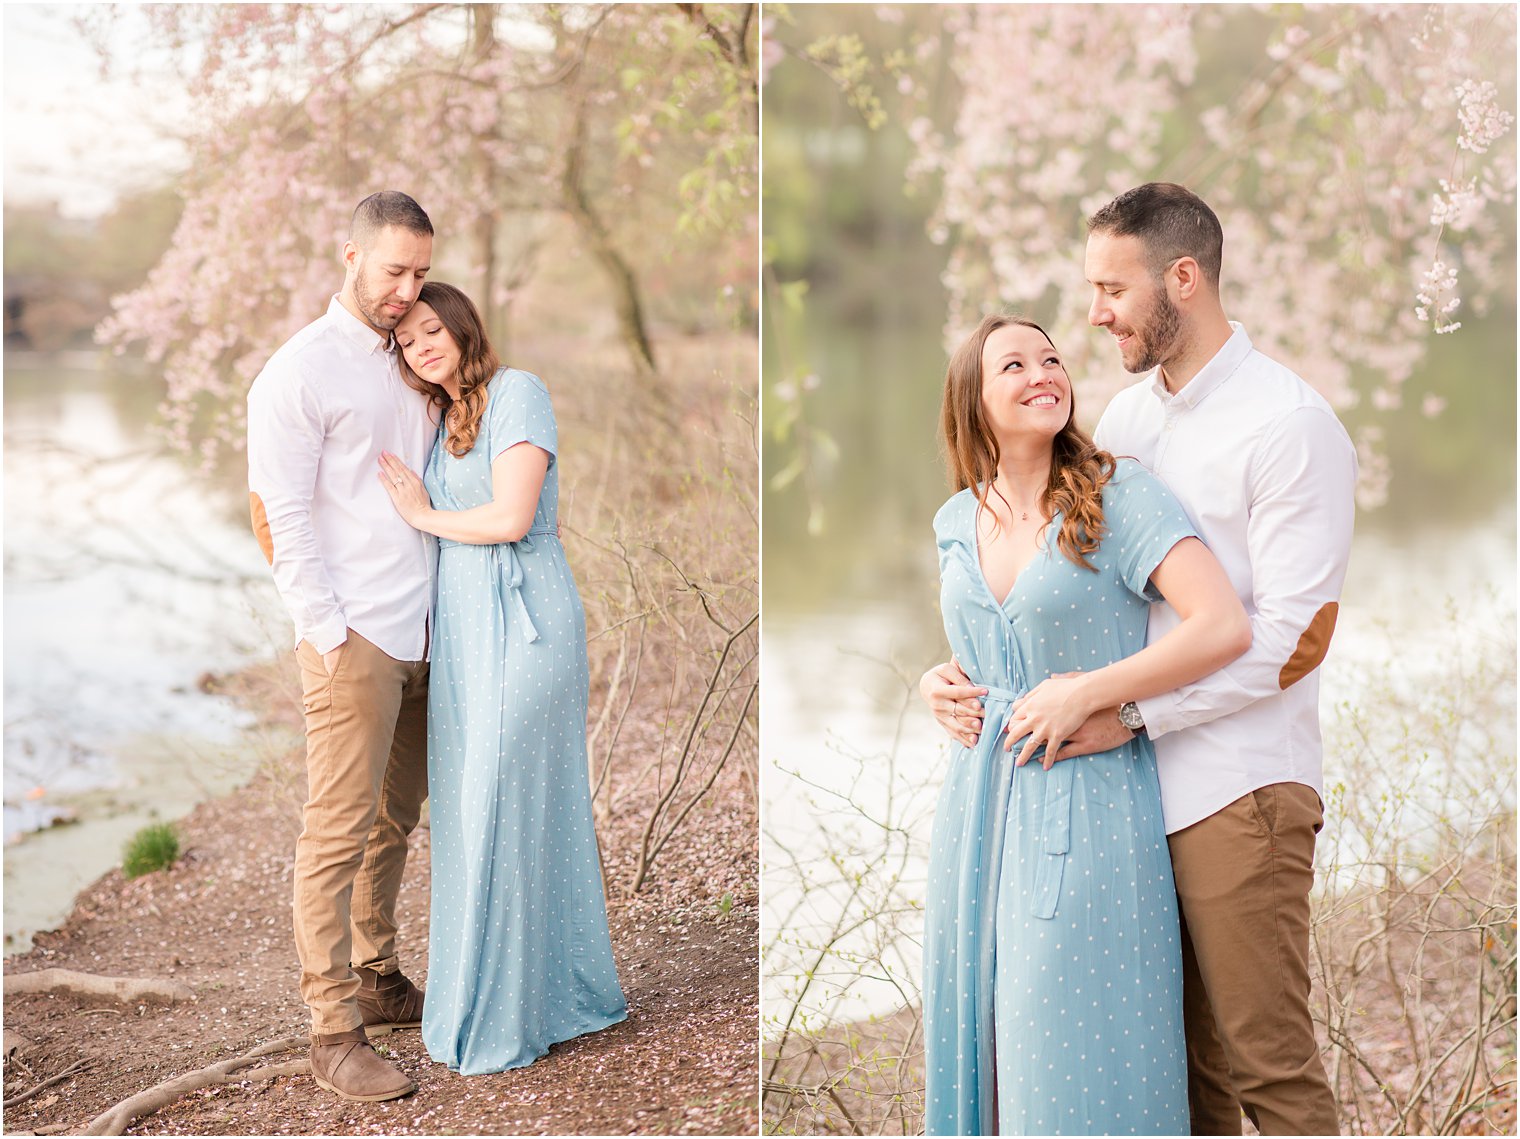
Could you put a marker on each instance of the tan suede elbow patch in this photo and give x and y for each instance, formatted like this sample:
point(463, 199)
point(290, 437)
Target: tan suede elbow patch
point(261, 526)
point(1312, 646)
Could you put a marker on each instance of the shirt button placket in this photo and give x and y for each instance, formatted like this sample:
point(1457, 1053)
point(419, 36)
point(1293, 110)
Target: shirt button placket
point(1166, 436)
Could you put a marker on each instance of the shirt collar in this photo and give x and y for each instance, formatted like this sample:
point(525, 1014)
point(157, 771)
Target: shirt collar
point(365, 338)
point(1219, 368)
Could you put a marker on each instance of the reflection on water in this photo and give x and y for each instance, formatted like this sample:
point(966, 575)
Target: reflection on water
point(125, 581)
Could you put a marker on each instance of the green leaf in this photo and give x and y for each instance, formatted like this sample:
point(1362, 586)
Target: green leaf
point(792, 294)
point(788, 475)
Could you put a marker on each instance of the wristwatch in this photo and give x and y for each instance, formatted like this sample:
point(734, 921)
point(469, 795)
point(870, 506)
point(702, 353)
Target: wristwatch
point(1129, 716)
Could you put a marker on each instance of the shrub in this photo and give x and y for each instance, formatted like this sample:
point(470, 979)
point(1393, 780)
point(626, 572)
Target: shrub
point(153, 848)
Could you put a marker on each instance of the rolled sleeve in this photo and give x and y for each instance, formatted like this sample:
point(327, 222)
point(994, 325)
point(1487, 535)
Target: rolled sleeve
point(285, 434)
point(1302, 510)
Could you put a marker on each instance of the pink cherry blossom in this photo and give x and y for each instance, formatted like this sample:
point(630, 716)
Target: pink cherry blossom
point(1362, 173)
point(306, 108)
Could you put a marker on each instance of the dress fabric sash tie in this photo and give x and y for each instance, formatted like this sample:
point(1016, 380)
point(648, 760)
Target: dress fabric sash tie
point(507, 570)
point(1054, 814)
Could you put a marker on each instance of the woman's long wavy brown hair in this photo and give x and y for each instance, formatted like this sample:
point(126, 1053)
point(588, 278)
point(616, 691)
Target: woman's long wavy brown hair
point(1078, 469)
point(477, 364)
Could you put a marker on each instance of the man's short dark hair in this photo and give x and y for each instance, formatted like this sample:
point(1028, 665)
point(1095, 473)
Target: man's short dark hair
point(387, 208)
point(1171, 222)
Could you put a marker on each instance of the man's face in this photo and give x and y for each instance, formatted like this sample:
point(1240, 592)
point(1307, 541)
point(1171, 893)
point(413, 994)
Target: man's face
point(1131, 304)
point(388, 274)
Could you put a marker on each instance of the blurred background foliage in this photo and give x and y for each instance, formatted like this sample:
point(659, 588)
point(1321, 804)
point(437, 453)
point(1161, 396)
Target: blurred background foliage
point(61, 272)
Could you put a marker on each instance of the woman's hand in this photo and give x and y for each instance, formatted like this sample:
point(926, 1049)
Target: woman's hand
point(1048, 713)
point(954, 700)
point(407, 493)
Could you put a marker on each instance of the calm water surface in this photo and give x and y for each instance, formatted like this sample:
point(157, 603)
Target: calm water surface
point(126, 580)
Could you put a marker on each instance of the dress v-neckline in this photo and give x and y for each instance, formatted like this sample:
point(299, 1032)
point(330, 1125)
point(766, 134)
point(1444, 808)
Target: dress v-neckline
point(1041, 549)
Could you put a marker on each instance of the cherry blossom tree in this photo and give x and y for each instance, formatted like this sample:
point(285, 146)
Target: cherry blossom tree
point(505, 121)
point(1361, 159)
point(1362, 165)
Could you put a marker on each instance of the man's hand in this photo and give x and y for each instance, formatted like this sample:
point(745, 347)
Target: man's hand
point(1102, 731)
point(331, 657)
point(954, 701)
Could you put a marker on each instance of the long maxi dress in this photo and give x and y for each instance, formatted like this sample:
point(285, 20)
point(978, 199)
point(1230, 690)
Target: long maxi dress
point(1052, 965)
point(519, 955)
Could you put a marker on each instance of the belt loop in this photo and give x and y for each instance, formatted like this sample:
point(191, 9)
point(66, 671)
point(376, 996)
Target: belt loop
point(1055, 840)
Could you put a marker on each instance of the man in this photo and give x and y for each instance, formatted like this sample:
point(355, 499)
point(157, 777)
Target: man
point(1267, 474)
point(358, 582)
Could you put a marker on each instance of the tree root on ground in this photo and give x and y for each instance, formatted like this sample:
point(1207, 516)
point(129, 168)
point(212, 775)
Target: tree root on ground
point(115, 1120)
point(58, 1079)
point(15, 1042)
point(157, 989)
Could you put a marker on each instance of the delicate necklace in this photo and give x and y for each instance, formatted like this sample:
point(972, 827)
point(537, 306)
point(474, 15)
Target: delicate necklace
point(1023, 514)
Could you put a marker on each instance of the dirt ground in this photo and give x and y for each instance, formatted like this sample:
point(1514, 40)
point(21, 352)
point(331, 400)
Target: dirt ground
point(684, 1062)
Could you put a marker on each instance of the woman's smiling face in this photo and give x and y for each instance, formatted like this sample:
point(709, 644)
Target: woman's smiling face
point(429, 350)
point(1025, 389)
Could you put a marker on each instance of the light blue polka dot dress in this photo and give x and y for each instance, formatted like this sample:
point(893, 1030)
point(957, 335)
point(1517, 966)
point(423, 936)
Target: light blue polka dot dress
point(519, 955)
point(1052, 967)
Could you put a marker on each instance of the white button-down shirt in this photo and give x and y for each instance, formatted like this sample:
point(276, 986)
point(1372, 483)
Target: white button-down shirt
point(1268, 475)
point(319, 414)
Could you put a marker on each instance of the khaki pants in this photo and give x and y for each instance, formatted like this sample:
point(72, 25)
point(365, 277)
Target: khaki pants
point(366, 768)
point(1243, 879)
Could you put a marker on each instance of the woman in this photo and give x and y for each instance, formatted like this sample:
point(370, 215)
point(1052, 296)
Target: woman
point(1052, 974)
point(519, 955)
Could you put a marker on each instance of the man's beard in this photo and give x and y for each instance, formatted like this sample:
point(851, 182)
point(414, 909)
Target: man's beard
point(371, 308)
point(1158, 333)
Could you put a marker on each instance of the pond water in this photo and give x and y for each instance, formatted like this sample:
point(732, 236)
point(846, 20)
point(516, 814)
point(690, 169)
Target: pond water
point(127, 579)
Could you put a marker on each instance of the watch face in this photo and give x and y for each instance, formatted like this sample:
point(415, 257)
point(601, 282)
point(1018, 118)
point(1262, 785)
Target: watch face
point(1129, 716)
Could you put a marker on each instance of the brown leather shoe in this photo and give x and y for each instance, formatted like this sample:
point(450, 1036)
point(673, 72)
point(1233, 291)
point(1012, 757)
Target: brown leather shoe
point(345, 1064)
point(388, 1002)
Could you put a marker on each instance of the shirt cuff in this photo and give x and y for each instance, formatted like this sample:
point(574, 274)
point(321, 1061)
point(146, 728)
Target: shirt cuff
point(328, 636)
point(1160, 714)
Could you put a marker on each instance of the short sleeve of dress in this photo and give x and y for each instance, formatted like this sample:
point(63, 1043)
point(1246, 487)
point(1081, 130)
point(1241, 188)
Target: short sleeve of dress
point(946, 528)
point(950, 531)
point(1145, 521)
point(520, 412)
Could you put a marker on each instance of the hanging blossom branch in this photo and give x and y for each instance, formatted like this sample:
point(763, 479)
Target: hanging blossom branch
point(1328, 167)
point(1460, 203)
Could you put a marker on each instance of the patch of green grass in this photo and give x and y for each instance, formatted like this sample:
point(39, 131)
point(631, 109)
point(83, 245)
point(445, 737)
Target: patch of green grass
point(152, 848)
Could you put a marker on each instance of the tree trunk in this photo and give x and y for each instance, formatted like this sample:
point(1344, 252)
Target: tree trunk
point(482, 44)
point(620, 275)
